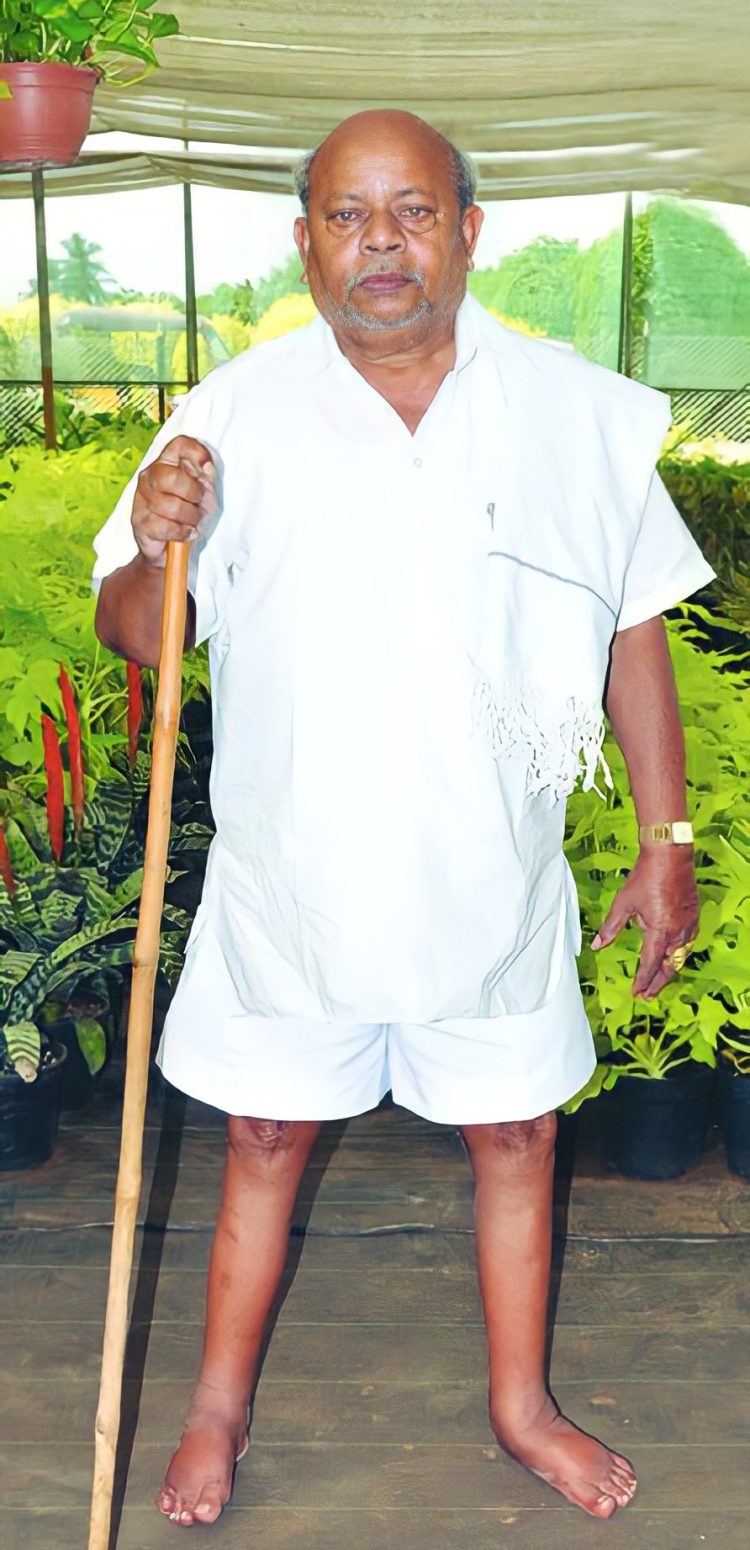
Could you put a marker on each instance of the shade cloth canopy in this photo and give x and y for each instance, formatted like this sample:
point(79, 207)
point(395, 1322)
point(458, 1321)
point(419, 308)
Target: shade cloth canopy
point(550, 97)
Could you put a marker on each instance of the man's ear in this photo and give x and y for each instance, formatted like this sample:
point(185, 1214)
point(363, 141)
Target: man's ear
point(302, 239)
point(471, 225)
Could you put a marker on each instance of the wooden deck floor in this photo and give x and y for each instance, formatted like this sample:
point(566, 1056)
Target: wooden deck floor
point(370, 1429)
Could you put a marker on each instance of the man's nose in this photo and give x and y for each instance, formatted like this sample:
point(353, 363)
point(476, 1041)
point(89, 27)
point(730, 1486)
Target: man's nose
point(382, 234)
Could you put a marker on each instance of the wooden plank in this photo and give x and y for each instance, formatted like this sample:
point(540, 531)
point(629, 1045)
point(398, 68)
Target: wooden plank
point(284, 1528)
point(340, 1411)
point(398, 1251)
point(392, 1353)
point(380, 1476)
point(714, 1209)
point(387, 1296)
point(83, 1152)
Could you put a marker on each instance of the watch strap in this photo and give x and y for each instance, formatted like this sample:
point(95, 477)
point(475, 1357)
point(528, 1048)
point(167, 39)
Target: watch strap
point(680, 833)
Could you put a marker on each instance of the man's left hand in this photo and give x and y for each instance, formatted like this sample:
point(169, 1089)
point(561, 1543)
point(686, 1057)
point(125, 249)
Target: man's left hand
point(661, 895)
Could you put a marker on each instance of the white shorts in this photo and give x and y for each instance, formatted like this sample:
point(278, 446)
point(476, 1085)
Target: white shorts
point(457, 1072)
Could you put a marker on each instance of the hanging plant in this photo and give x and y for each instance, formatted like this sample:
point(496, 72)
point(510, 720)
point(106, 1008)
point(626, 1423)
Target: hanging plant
point(52, 54)
point(88, 33)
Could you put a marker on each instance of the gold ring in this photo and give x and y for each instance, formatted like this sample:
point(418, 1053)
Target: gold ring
point(678, 958)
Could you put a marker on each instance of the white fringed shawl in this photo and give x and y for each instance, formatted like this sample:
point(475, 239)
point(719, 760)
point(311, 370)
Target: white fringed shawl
point(559, 498)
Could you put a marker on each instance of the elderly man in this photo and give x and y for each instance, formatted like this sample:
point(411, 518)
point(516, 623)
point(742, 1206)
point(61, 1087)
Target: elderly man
point(422, 544)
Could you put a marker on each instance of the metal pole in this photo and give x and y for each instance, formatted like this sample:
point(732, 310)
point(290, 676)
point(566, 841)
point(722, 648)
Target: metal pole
point(191, 311)
point(42, 291)
point(624, 347)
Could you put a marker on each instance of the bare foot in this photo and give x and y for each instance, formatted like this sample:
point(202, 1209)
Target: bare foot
point(588, 1474)
point(198, 1481)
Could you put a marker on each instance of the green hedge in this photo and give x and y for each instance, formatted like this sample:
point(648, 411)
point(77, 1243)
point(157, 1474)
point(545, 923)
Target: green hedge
point(714, 500)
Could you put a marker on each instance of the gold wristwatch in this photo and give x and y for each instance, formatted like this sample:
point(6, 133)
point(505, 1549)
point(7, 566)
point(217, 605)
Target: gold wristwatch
point(680, 833)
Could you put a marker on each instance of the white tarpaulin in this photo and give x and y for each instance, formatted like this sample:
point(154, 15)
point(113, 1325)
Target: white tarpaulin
point(549, 96)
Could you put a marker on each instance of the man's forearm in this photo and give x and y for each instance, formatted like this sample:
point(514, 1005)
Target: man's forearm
point(128, 614)
point(644, 712)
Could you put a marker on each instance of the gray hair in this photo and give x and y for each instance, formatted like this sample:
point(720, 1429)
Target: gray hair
point(463, 175)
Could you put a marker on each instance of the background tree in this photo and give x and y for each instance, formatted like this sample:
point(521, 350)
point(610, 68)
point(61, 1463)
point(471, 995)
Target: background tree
point(80, 276)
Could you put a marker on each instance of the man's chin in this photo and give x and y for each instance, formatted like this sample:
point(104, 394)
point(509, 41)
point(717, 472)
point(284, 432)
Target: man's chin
point(379, 320)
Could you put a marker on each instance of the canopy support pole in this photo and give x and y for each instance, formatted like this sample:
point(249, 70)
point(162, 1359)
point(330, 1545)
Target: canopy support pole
point(624, 346)
point(42, 293)
point(191, 311)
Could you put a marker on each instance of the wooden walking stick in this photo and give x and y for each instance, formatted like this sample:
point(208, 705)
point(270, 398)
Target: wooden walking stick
point(145, 963)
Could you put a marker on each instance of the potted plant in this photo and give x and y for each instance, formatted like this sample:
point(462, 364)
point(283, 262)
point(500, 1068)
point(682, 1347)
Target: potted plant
point(31, 1069)
point(52, 54)
point(734, 1099)
point(655, 1059)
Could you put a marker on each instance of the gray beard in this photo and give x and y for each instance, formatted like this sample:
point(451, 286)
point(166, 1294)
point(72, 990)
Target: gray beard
point(350, 316)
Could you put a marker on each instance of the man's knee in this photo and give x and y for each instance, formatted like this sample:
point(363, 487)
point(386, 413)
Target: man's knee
point(512, 1141)
point(270, 1145)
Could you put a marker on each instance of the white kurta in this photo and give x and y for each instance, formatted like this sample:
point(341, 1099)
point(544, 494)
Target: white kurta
point(408, 642)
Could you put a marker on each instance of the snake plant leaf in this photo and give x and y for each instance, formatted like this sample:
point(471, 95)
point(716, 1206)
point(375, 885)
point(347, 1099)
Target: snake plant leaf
point(24, 1045)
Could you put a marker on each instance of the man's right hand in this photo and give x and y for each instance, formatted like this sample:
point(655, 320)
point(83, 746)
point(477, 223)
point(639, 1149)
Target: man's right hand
point(173, 496)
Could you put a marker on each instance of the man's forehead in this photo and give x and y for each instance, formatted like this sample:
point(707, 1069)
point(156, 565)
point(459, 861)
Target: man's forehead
point(399, 193)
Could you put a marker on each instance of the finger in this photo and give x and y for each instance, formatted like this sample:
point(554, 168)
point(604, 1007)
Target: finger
point(662, 978)
point(153, 505)
point(615, 922)
point(173, 479)
point(653, 954)
point(186, 447)
point(167, 532)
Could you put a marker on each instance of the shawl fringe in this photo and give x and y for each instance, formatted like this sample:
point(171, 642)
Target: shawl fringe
point(558, 752)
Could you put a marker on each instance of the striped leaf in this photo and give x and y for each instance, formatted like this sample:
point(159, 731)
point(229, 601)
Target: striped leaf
point(24, 1045)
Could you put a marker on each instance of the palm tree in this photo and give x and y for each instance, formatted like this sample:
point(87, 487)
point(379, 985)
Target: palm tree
point(82, 277)
point(79, 276)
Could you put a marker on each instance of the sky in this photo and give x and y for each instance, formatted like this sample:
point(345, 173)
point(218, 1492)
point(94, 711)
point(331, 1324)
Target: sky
point(241, 235)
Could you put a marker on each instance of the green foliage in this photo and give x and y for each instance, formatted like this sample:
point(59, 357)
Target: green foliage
point(23, 1049)
point(84, 32)
point(93, 1042)
point(689, 279)
point(283, 280)
point(536, 285)
point(700, 281)
point(711, 996)
point(231, 301)
point(66, 925)
point(80, 276)
point(54, 505)
point(714, 500)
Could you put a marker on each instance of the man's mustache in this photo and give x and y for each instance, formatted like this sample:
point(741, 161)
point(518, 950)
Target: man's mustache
point(381, 267)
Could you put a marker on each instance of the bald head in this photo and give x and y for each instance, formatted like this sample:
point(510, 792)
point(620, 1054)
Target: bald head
point(362, 130)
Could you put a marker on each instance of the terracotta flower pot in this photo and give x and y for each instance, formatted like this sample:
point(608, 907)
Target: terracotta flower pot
point(45, 120)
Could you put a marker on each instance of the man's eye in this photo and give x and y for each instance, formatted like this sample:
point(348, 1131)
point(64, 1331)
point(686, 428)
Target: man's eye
point(417, 217)
point(344, 217)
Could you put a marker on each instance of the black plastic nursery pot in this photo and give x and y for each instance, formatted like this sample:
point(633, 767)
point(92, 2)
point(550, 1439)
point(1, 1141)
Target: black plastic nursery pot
point(30, 1115)
point(734, 1119)
point(77, 1083)
point(654, 1129)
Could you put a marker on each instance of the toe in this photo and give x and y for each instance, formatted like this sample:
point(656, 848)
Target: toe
point(605, 1505)
point(209, 1507)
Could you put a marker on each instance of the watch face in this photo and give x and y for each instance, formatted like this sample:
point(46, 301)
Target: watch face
point(682, 833)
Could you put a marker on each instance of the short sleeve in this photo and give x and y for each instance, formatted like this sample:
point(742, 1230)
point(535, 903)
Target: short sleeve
point(115, 545)
point(666, 566)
